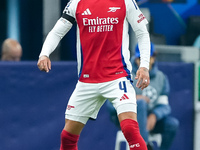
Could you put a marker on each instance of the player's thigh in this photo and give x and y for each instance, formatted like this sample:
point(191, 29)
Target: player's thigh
point(121, 94)
point(84, 103)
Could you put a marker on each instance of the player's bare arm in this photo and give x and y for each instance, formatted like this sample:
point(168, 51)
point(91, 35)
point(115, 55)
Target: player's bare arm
point(142, 76)
point(44, 64)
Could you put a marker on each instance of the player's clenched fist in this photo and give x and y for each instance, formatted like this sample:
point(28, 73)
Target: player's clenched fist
point(44, 63)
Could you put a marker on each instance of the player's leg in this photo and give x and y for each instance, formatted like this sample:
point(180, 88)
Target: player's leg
point(70, 135)
point(130, 129)
point(74, 127)
point(122, 95)
point(83, 104)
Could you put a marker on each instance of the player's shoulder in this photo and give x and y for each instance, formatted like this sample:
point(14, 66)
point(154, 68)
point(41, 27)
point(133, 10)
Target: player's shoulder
point(72, 3)
point(128, 2)
point(70, 8)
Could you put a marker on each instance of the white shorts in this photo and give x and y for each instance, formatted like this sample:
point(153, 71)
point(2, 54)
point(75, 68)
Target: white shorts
point(87, 99)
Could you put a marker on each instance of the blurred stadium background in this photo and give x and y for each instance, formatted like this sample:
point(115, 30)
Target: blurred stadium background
point(32, 104)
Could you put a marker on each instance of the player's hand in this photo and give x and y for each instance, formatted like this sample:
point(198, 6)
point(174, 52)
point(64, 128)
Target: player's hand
point(142, 76)
point(44, 64)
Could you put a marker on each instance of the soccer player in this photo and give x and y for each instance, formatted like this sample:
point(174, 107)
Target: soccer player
point(152, 103)
point(154, 111)
point(104, 67)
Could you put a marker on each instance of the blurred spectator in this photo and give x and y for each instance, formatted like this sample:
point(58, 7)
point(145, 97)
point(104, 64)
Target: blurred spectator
point(197, 45)
point(11, 50)
point(197, 42)
point(152, 105)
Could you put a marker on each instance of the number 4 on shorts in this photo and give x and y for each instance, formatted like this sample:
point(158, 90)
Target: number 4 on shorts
point(122, 86)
